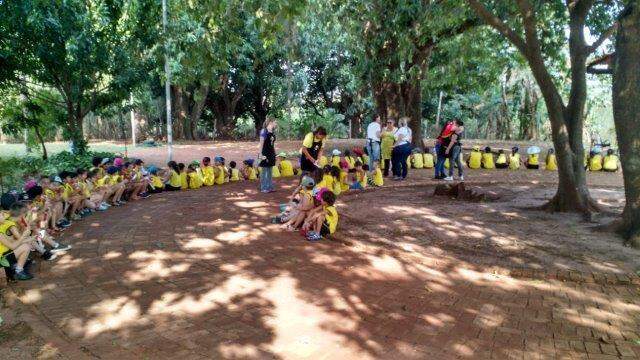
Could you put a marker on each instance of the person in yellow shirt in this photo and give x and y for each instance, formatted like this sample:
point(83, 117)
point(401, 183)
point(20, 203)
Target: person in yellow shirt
point(335, 157)
point(275, 172)
point(350, 160)
point(285, 166)
point(220, 170)
point(193, 177)
point(427, 159)
point(117, 183)
point(487, 159)
point(344, 172)
point(533, 162)
point(234, 173)
point(610, 162)
point(156, 185)
point(551, 162)
point(378, 179)
point(475, 158)
point(206, 169)
point(184, 178)
point(322, 162)
point(248, 171)
point(326, 180)
point(359, 180)
point(514, 159)
point(595, 161)
point(501, 161)
point(324, 222)
point(417, 160)
point(173, 182)
point(16, 251)
point(335, 174)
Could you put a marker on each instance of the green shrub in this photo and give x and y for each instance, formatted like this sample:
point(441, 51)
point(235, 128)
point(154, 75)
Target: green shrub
point(14, 169)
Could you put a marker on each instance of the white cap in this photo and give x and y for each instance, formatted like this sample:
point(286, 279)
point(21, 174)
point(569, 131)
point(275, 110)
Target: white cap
point(104, 161)
point(336, 152)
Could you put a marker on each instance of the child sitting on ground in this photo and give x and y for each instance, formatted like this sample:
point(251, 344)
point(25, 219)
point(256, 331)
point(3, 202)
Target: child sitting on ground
point(417, 159)
point(327, 179)
point(377, 179)
point(184, 178)
point(301, 203)
point(501, 161)
point(323, 220)
point(221, 172)
point(248, 171)
point(194, 178)
point(359, 179)
point(532, 162)
point(335, 174)
point(172, 178)
point(610, 161)
point(514, 159)
point(235, 173)
point(427, 159)
point(206, 169)
point(595, 160)
point(475, 158)
point(551, 162)
point(487, 159)
point(285, 166)
point(335, 157)
point(15, 251)
point(156, 185)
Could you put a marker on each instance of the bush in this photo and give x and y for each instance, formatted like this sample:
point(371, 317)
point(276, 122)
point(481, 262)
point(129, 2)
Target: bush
point(14, 169)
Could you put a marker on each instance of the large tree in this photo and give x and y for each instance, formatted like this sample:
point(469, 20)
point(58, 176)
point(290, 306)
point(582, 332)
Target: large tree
point(532, 26)
point(91, 52)
point(626, 114)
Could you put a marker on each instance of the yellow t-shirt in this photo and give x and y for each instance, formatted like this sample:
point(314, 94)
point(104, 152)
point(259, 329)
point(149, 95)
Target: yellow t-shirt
point(220, 175)
point(335, 161)
point(286, 168)
point(595, 163)
point(378, 180)
point(84, 186)
point(326, 182)
point(487, 161)
point(275, 172)
point(362, 178)
point(184, 180)
point(174, 179)
point(207, 175)
point(235, 175)
point(533, 159)
point(323, 161)
point(428, 162)
point(502, 159)
point(351, 161)
point(331, 217)
point(50, 194)
point(475, 159)
point(418, 161)
point(195, 180)
point(514, 161)
point(365, 159)
point(343, 181)
point(309, 139)
point(610, 163)
point(337, 187)
point(67, 191)
point(156, 182)
point(551, 162)
point(252, 174)
point(103, 181)
point(4, 229)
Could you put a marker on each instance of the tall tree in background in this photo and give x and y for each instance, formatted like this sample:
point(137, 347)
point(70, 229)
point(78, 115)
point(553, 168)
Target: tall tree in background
point(91, 53)
point(532, 26)
point(626, 114)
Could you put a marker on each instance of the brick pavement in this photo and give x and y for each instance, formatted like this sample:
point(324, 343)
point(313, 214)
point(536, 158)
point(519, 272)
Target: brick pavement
point(202, 274)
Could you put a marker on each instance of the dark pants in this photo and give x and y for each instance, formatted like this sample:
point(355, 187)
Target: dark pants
point(399, 157)
point(455, 159)
point(387, 165)
point(440, 160)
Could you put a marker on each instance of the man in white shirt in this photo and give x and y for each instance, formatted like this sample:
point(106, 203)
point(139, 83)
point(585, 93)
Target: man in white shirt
point(373, 142)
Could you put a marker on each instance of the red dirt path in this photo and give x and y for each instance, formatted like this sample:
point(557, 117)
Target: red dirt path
point(203, 274)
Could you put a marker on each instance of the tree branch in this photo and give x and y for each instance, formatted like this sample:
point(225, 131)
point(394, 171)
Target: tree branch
point(603, 37)
point(495, 22)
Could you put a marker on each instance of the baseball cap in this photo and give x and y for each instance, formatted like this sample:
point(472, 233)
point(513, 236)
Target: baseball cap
point(104, 161)
point(336, 152)
point(307, 181)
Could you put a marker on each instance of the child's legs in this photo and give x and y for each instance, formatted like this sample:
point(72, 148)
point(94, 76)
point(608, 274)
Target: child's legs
point(22, 254)
point(318, 223)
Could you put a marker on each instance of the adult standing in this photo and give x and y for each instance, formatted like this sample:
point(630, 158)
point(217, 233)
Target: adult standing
point(401, 149)
point(440, 148)
point(311, 150)
point(453, 150)
point(387, 138)
point(373, 142)
point(267, 155)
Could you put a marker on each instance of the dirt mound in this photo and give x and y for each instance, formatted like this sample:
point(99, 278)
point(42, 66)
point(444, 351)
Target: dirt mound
point(461, 192)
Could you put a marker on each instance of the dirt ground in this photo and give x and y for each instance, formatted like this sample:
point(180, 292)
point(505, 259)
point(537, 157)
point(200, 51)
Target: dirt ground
point(203, 274)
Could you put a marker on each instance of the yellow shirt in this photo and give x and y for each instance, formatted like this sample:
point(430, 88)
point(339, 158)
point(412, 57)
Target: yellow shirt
point(487, 161)
point(337, 187)
point(475, 159)
point(378, 180)
point(67, 191)
point(235, 175)
point(551, 162)
point(103, 181)
point(4, 230)
point(174, 179)
point(184, 180)
point(351, 161)
point(362, 178)
point(514, 161)
point(50, 194)
point(309, 139)
point(335, 161)
point(286, 168)
point(502, 159)
point(428, 162)
point(84, 187)
point(327, 182)
point(595, 163)
point(251, 174)
point(207, 175)
point(343, 181)
point(533, 159)
point(275, 172)
point(156, 182)
point(323, 161)
point(417, 160)
point(220, 176)
point(365, 159)
point(331, 217)
point(610, 163)
point(195, 180)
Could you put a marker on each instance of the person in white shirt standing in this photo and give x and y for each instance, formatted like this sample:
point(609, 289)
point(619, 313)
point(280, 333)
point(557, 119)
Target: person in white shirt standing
point(401, 150)
point(373, 142)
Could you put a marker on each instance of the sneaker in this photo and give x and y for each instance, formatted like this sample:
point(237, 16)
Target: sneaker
point(449, 178)
point(105, 204)
point(22, 275)
point(60, 248)
point(397, 178)
point(76, 217)
point(49, 256)
point(144, 195)
point(461, 178)
point(63, 224)
point(313, 236)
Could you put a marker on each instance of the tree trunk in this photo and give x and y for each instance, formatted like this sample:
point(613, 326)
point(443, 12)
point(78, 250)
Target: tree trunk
point(626, 115)
point(36, 129)
point(195, 111)
point(179, 114)
point(413, 102)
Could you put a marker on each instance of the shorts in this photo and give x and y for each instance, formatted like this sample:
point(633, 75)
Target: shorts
point(534, 167)
point(502, 166)
point(168, 187)
point(324, 230)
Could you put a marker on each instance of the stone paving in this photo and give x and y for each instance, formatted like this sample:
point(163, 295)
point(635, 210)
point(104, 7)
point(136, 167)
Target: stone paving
point(202, 274)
